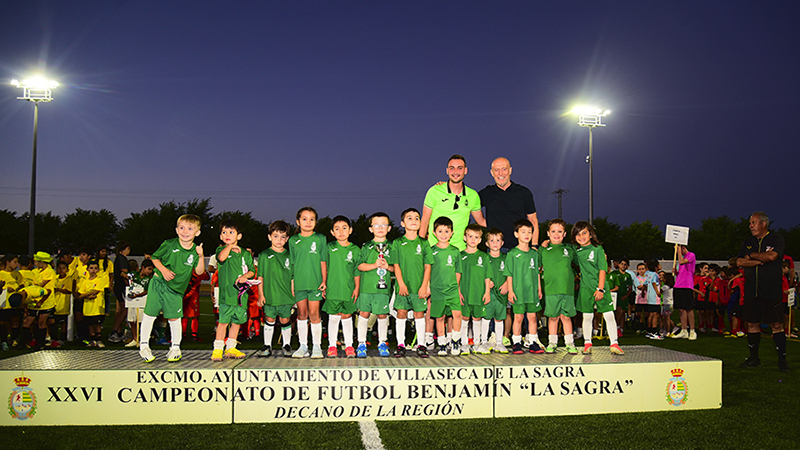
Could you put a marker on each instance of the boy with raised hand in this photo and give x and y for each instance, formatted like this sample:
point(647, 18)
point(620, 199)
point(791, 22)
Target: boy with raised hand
point(475, 287)
point(275, 273)
point(174, 261)
point(412, 269)
point(309, 252)
point(524, 288)
point(445, 285)
point(235, 267)
point(344, 281)
point(497, 308)
point(372, 298)
point(559, 284)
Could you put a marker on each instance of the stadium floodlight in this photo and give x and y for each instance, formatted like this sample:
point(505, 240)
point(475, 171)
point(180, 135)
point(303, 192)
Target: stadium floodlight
point(590, 117)
point(34, 90)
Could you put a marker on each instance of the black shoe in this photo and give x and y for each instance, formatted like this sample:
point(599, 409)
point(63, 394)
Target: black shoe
point(750, 363)
point(783, 366)
point(535, 348)
point(265, 352)
point(422, 351)
point(517, 349)
point(400, 352)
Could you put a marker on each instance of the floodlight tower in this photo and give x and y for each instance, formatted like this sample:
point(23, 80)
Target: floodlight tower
point(590, 118)
point(35, 90)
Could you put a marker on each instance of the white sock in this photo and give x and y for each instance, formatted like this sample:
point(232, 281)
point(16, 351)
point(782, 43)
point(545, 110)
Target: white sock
point(477, 331)
point(516, 338)
point(219, 345)
point(587, 325)
point(230, 343)
point(465, 327)
point(529, 339)
point(362, 330)
point(569, 339)
point(146, 330)
point(442, 340)
point(419, 324)
point(552, 339)
point(333, 329)
point(316, 334)
point(347, 331)
point(383, 329)
point(400, 329)
point(286, 335)
point(485, 330)
point(302, 332)
point(456, 337)
point(269, 331)
point(176, 331)
point(499, 328)
point(611, 324)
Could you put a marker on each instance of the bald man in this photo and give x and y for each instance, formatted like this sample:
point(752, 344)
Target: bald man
point(506, 202)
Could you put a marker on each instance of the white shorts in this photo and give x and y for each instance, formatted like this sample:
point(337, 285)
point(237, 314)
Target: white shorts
point(135, 314)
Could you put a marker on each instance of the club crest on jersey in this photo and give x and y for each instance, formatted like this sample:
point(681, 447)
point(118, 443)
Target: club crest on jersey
point(189, 260)
point(287, 264)
point(502, 266)
point(533, 264)
point(450, 260)
point(566, 252)
point(480, 261)
point(419, 250)
point(349, 256)
point(22, 401)
point(591, 256)
point(313, 248)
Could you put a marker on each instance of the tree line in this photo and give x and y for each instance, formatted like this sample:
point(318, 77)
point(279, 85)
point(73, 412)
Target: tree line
point(717, 238)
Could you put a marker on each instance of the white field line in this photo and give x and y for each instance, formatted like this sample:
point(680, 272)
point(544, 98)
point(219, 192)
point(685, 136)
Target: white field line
point(370, 436)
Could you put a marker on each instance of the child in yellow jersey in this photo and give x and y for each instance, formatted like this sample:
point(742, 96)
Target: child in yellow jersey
point(25, 269)
point(10, 282)
point(39, 312)
point(64, 286)
point(91, 291)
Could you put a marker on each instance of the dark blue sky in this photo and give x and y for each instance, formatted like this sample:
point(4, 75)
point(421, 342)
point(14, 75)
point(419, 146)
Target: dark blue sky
point(354, 107)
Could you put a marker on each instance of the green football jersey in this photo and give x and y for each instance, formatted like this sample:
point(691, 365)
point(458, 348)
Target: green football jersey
point(342, 270)
point(308, 253)
point(523, 268)
point(446, 264)
point(369, 279)
point(497, 266)
point(412, 256)
point(179, 260)
point(276, 271)
point(236, 264)
point(622, 280)
point(557, 276)
point(474, 273)
point(591, 260)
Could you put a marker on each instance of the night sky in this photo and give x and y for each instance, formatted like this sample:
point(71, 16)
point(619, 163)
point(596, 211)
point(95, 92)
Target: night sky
point(354, 107)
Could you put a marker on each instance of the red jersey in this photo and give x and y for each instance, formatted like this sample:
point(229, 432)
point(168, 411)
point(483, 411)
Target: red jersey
point(702, 286)
point(785, 288)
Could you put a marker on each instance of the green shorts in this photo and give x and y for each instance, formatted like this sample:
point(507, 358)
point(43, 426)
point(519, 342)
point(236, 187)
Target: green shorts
point(332, 306)
point(495, 310)
point(623, 304)
point(411, 303)
point(524, 308)
point(478, 311)
point(558, 304)
point(231, 313)
point(373, 303)
point(312, 296)
point(586, 303)
point(282, 311)
point(444, 307)
point(162, 299)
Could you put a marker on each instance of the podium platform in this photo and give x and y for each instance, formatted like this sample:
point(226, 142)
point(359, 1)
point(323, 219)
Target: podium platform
point(83, 387)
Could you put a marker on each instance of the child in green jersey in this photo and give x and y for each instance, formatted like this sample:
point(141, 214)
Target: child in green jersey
point(593, 294)
point(412, 269)
point(234, 268)
point(275, 273)
point(174, 261)
point(445, 286)
point(136, 297)
point(497, 307)
point(309, 252)
point(620, 281)
point(344, 281)
point(559, 281)
point(475, 288)
point(374, 295)
point(524, 288)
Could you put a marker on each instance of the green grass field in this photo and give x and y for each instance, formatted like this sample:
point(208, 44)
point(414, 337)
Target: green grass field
point(759, 411)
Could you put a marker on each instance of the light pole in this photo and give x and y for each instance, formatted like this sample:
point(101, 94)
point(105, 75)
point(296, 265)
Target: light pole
point(34, 90)
point(590, 118)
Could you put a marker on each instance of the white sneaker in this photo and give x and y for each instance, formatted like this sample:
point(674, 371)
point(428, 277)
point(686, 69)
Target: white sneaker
point(316, 352)
point(682, 335)
point(174, 354)
point(132, 344)
point(455, 349)
point(484, 349)
point(301, 352)
point(692, 335)
point(146, 354)
point(500, 348)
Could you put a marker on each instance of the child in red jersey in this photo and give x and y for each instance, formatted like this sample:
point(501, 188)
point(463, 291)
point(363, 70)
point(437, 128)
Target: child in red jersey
point(701, 288)
point(736, 285)
point(191, 305)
